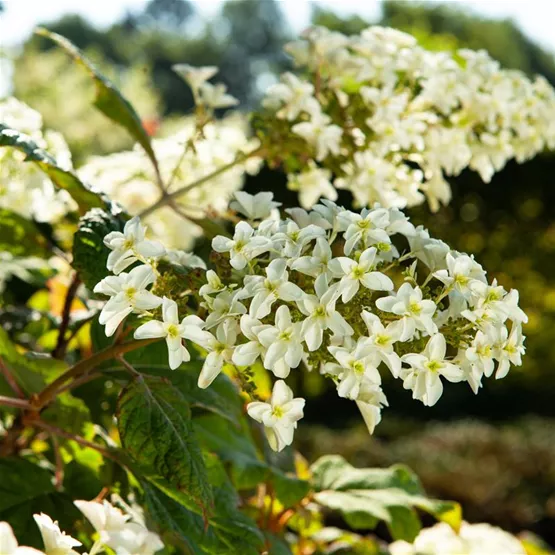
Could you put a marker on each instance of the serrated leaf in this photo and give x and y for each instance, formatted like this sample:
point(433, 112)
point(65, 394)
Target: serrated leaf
point(154, 422)
point(82, 194)
point(365, 496)
point(108, 98)
point(20, 236)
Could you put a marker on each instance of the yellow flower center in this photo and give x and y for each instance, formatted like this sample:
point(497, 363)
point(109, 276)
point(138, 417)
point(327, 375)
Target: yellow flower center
point(173, 331)
point(285, 335)
point(278, 412)
point(357, 367)
point(130, 293)
point(358, 272)
point(434, 365)
point(415, 307)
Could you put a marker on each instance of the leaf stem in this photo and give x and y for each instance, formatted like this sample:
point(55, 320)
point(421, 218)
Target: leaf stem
point(168, 197)
point(11, 380)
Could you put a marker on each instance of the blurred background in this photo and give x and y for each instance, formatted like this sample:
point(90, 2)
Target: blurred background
point(495, 453)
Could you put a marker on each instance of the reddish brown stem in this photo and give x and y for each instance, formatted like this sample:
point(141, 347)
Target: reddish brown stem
point(16, 403)
point(61, 345)
point(11, 380)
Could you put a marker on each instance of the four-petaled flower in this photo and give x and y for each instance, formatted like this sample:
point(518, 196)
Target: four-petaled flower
point(172, 330)
point(279, 416)
point(55, 541)
point(128, 294)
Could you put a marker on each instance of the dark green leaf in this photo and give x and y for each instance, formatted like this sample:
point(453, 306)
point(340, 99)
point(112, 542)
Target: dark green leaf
point(154, 422)
point(90, 254)
point(108, 99)
point(84, 195)
point(20, 236)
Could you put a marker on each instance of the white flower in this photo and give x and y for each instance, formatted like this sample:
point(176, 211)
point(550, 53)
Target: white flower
point(130, 246)
point(318, 262)
point(243, 247)
point(220, 349)
point(312, 184)
point(128, 294)
point(416, 312)
point(461, 270)
point(319, 133)
point(426, 368)
point(195, 76)
point(370, 401)
point(265, 291)
point(432, 252)
point(215, 96)
point(481, 351)
point(294, 238)
point(355, 365)
point(247, 353)
point(321, 314)
point(382, 339)
point(509, 350)
point(172, 330)
point(55, 541)
point(292, 96)
point(185, 259)
point(9, 545)
point(354, 273)
point(367, 227)
point(255, 207)
point(224, 307)
point(279, 416)
point(214, 284)
point(283, 344)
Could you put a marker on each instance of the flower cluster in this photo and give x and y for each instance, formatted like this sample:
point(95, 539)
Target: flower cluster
point(122, 531)
point(389, 119)
point(350, 295)
point(129, 178)
point(24, 188)
point(472, 539)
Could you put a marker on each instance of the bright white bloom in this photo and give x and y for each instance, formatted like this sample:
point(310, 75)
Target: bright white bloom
point(243, 247)
point(55, 541)
point(355, 365)
point(9, 545)
point(320, 134)
point(130, 246)
point(118, 531)
point(128, 294)
point(265, 291)
point(472, 539)
point(321, 315)
point(219, 347)
point(426, 368)
point(225, 307)
point(247, 353)
point(353, 274)
point(317, 263)
point(254, 207)
point(279, 416)
point(214, 284)
point(215, 96)
point(294, 239)
point(481, 351)
point(292, 96)
point(370, 401)
point(509, 350)
point(416, 311)
point(461, 270)
point(283, 344)
point(171, 330)
point(185, 259)
point(382, 340)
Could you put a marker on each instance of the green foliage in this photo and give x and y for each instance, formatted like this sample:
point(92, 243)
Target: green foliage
point(366, 496)
point(89, 252)
point(20, 236)
point(154, 422)
point(82, 194)
point(108, 98)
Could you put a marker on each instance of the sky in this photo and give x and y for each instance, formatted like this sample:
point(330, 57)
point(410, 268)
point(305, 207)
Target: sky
point(535, 17)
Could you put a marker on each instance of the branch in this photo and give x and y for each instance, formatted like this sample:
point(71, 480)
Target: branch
point(17, 403)
point(61, 344)
point(165, 199)
point(83, 366)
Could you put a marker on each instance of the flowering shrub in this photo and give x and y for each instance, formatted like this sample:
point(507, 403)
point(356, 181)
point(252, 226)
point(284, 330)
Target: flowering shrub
point(139, 380)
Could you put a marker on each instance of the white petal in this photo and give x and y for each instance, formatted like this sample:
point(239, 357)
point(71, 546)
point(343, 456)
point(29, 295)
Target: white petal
point(145, 300)
point(150, 249)
point(151, 329)
point(210, 370)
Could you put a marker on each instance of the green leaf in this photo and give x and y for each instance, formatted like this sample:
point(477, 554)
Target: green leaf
point(288, 488)
point(233, 444)
point(226, 530)
point(154, 422)
point(20, 236)
point(365, 496)
point(108, 98)
point(90, 254)
point(83, 194)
